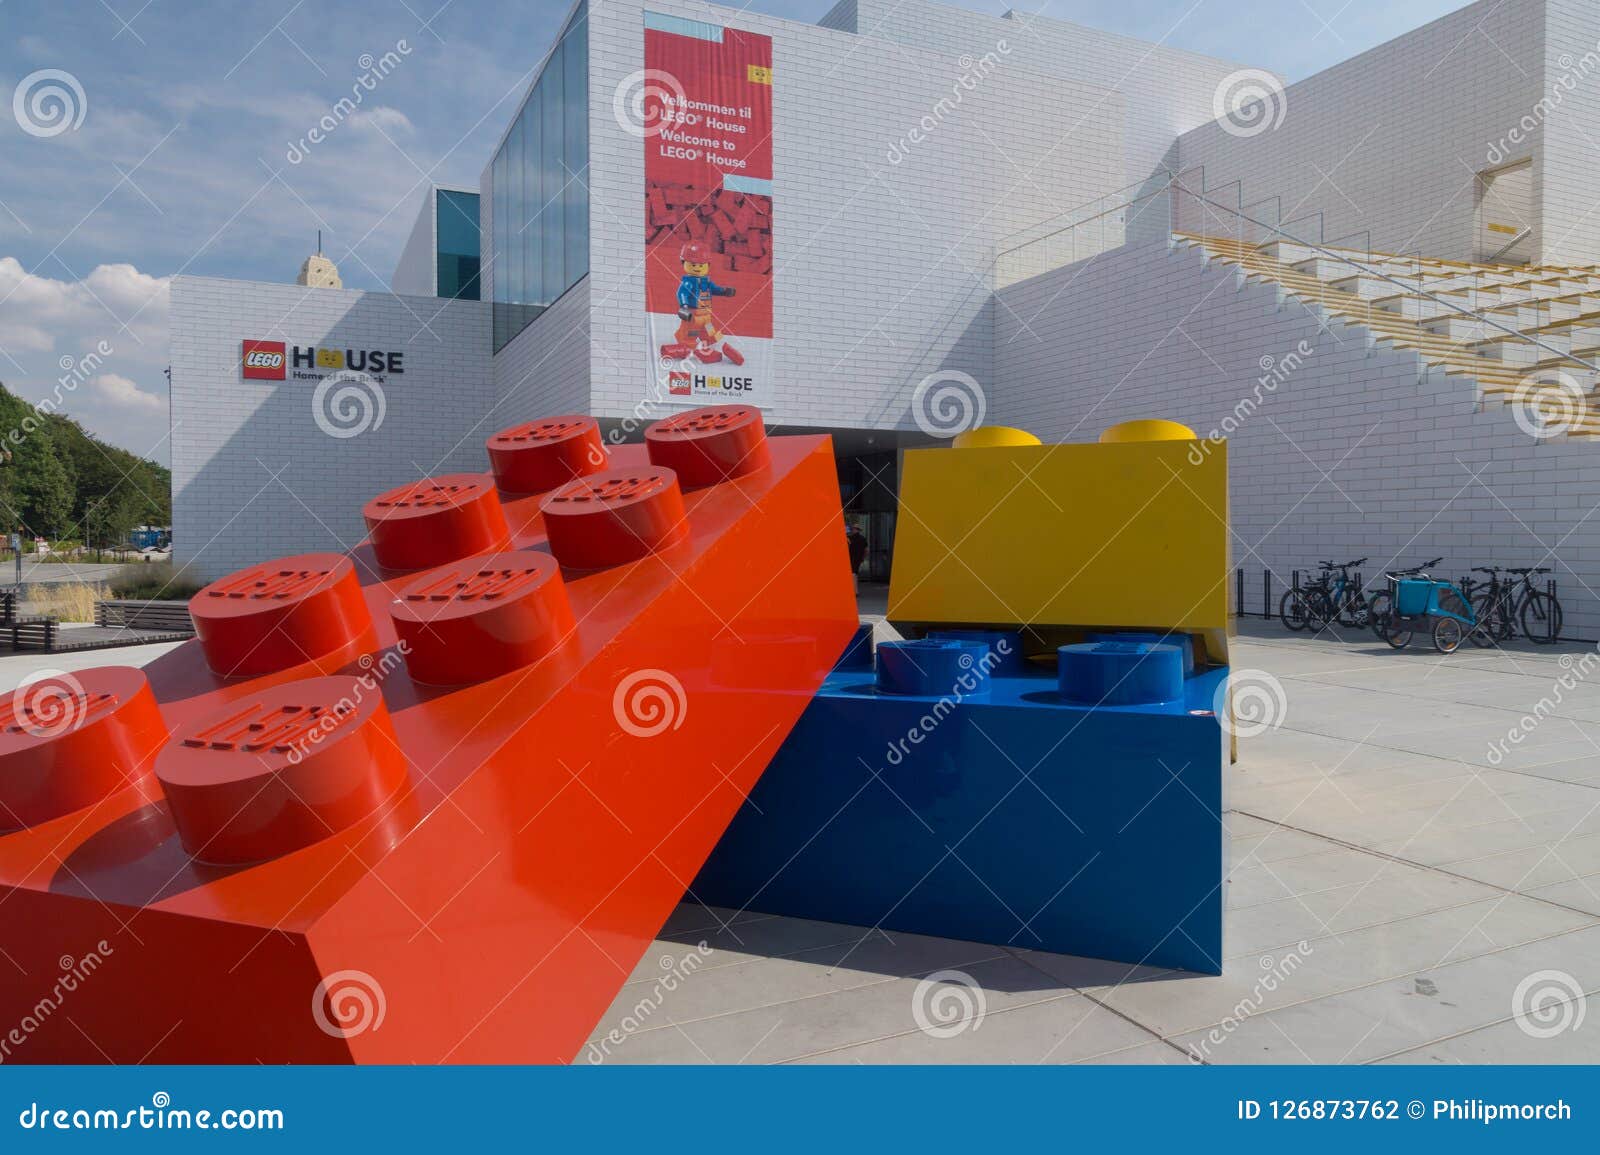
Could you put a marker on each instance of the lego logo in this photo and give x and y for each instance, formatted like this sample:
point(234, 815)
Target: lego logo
point(264, 360)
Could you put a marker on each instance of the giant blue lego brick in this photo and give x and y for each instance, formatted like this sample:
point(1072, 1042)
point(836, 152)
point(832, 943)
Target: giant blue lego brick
point(1019, 819)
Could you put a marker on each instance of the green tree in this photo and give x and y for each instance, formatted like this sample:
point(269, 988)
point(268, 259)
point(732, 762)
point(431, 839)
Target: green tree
point(57, 479)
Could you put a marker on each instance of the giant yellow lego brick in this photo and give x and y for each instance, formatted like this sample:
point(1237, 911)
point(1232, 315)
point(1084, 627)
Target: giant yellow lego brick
point(1125, 534)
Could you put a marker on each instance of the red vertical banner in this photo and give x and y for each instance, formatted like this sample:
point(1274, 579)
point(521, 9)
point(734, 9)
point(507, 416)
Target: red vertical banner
point(706, 107)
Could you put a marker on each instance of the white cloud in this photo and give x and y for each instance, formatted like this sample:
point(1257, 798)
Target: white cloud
point(115, 303)
point(95, 348)
point(381, 116)
point(117, 392)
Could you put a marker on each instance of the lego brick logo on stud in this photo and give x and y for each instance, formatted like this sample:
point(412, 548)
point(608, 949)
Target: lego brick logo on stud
point(263, 360)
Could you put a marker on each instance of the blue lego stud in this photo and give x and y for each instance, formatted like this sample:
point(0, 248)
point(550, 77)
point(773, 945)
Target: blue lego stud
point(934, 669)
point(857, 656)
point(1182, 641)
point(1005, 648)
point(1119, 673)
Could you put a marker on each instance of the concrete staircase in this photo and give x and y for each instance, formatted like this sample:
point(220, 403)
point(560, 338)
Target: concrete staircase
point(1455, 317)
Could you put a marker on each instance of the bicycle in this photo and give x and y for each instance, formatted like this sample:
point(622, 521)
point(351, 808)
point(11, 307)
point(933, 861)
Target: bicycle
point(1383, 600)
point(1331, 596)
point(1417, 599)
point(1503, 604)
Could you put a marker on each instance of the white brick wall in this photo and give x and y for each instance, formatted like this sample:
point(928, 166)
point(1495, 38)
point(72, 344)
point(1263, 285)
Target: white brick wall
point(1388, 142)
point(416, 273)
point(544, 370)
point(1565, 170)
point(881, 268)
point(1355, 453)
point(1164, 91)
point(254, 477)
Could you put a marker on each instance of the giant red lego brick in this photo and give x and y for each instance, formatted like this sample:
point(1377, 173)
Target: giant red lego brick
point(354, 865)
point(711, 444)
point(539, 456)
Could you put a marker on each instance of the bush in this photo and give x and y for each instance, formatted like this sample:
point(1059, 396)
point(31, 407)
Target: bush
point(66, 601)
point(154, 581)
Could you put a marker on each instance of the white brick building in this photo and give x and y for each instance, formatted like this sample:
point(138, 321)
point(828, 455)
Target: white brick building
point(998, 196)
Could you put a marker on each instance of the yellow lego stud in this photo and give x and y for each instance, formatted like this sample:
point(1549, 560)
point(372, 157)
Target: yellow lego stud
point(334, 359)
point(1151, 429)
point(994, 437)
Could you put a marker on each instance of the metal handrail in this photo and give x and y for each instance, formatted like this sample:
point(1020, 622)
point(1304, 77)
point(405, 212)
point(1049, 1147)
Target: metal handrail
point(1527, 231)
point(1418, 291)
point(1170, 182)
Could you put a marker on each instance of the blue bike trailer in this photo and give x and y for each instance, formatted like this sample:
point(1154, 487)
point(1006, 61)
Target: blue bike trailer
point(1412, 597)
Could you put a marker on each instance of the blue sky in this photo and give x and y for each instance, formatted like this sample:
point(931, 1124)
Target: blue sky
point(191, 112)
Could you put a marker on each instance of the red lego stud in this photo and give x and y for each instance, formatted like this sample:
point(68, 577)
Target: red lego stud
point(70, 740)
point(273, 616)
point(278, 770)
point(711, 444)
point(538, 456)
point(615, 516)
point(440, 519)
point(483, 617)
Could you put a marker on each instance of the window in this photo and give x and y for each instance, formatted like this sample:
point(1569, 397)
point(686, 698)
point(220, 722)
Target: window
point(457, 216)
point(501, 226)
point(540, 212)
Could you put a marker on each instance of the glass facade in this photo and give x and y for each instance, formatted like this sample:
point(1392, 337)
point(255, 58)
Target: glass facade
point(456, 217)
point(540, 185)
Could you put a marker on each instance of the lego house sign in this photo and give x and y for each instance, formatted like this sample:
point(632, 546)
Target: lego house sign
point(278, 361)
point(708, 211)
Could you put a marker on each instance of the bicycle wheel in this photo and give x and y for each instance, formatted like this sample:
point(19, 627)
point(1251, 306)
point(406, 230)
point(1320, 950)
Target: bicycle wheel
point(1397, 633)
point(1378, 612)
point(1357, 611)
point(1293, 610)
point(1486, 609)
point(1447, 635)
point(1541, 618)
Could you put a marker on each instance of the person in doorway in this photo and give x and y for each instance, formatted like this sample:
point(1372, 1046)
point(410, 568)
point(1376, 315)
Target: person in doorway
point(857, 542)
